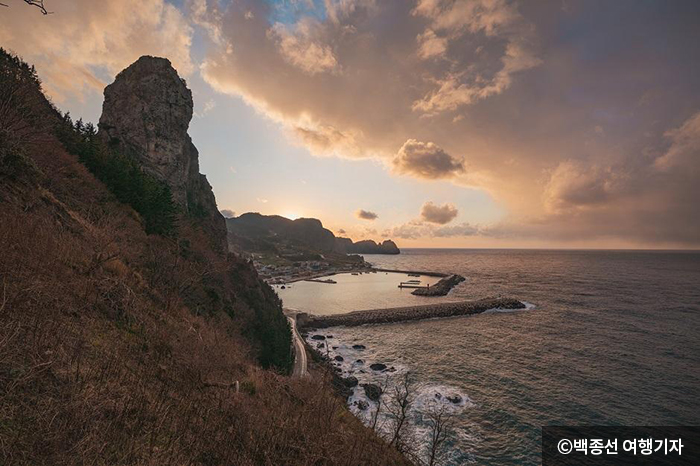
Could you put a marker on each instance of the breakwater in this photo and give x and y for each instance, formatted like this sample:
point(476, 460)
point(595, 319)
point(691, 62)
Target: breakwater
point(413, 272)
point(441, 288)
point(401, 314)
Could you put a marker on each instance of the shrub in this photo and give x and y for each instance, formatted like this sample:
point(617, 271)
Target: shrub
point(123, 176)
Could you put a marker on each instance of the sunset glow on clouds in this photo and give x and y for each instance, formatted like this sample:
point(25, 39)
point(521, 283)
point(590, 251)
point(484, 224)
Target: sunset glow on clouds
point(579, 119)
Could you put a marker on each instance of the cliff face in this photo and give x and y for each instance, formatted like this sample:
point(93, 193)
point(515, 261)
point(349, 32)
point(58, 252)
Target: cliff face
point(146, 114)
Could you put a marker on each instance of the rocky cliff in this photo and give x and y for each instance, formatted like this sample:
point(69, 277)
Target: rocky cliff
point(146, 114)
point(268, 232)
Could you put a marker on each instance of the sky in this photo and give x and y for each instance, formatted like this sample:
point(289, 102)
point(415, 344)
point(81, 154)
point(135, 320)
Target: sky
point(436, 123)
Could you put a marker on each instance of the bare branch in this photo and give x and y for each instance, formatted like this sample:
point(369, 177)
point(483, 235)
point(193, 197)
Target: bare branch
point(441, 424)
point(39, 4)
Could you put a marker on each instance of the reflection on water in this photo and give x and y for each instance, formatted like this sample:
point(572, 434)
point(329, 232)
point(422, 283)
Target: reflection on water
point(355, 292)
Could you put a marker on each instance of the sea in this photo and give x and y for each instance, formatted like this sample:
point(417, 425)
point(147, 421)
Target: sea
point(607, 338)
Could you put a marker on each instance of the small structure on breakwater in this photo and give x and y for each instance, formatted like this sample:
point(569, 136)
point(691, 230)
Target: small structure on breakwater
point(401, 314)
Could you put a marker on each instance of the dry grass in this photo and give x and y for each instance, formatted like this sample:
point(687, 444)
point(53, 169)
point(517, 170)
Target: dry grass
point(113, 352)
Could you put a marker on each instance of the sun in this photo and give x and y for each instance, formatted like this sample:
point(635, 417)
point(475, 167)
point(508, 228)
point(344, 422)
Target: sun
point(291, 215)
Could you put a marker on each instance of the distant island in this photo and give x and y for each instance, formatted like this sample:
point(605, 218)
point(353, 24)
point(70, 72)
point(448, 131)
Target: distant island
point(285, 250)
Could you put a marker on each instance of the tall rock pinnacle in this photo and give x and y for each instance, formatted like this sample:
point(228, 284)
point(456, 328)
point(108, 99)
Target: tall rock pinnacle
point(146, 113)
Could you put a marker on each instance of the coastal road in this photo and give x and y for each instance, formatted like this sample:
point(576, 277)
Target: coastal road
point(299, 350)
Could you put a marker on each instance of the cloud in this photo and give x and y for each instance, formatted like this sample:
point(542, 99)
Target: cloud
point(341, 231)
point(228, 213)
point(416, 229)
point(430, 45)
point(74, 47)
point(325, 80)
point(366, 215)
point(441, 215)
point(426, 160)
point(300, 48)
point(684, 151)
point(209, 105)
point(574, 186)
point(261, 200)
point(455, 19)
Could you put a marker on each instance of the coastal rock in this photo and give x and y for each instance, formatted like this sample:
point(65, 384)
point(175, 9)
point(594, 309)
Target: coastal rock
point(362, 405)
point(318, 337)
point(377, 366)
point(320, 345)
point(456, 399)
point(372, 391)
point(343, 389)
point(350, 381)
point(339, 358)
point(359, 361)
point(370, 247)
point(359, 347)
point(145, 115)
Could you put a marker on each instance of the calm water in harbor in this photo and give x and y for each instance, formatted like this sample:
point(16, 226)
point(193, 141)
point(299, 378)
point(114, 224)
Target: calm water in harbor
point(613, 339)
point(354, 292)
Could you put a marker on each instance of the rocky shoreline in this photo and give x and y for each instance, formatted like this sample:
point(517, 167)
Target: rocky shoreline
point(401, 314)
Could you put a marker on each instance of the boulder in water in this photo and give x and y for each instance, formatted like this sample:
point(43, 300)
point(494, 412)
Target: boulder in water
point(350, 381)
point(372, 391)
point(377, 366)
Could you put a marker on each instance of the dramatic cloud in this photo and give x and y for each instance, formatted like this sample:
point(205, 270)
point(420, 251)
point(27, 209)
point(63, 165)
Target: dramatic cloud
point(347, 86)
point(74, 47)
point(486, 94)
point(455, 19)
point(572, 137)
point(426, 160)
point(366, 215)
point(441, 215)
point(228, 213)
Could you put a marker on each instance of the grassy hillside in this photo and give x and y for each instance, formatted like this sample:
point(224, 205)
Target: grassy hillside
point(120, 342)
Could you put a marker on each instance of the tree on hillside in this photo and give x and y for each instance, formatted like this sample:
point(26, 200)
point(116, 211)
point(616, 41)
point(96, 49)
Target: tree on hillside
point(37, 3)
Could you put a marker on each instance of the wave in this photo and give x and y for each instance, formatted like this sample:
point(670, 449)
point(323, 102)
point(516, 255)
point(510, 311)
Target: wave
point(528, 307)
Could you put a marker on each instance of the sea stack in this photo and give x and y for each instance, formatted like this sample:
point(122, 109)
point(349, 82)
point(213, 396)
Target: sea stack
point(146, 113)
